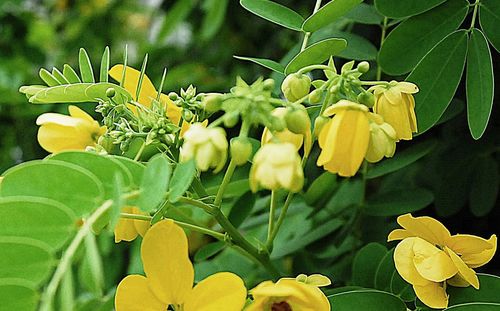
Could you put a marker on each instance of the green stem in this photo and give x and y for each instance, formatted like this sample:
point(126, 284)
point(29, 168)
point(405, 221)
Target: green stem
point(474, 15)
point(382, 39)
point(227, 178)
point(139, 153)
point(65, 263)
point(313, 67)
point(308, 34)
point(281, 218)
point(199, 188)
point(272, 212)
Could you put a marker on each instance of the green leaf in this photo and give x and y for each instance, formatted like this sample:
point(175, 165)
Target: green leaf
point(358, 48)
point(181, 179)
point(484, 186)
point(154, 183)
point(241, 209)
point(37, 218)
point(401, 288)
point(383, 273)
point(85, 66)
point(401, 159)
point(80, 93)
point(270, 64)
point(70, 74)
point(103, 73)
point(59, 76)
point(48, 78)
point(135, 169)
point(25, 259)
point(67, 183)
point(320, 187)
point(365, 14)
point(489, 20)
point(438, 76)
point(91, 270)
point(476, 306)
point(17, 294)
point(398, 202)
point(365, 264)
point(177, 13)
point(328, 13)
point(399, 9)
point(275, 13)
point(406, 45)
point(479, 85)
point(214, 17)
point(209, 250)
point(488, 291)
point(360, 299)
point(316, 53)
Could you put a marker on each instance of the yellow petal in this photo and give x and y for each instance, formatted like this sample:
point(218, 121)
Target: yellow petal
point(318, 280)
point(425, 227)
point(133, 294)
point(304, 296)
point(125, 229)
point(474, 251)
point(431, 262)
point(141, 226)
point(465, 272)
point(403, 260)
point(458, 281)
point(399, 234)
point(326, 142)
point(166, 263)
point(56, 138)
point(148, 91)
point(173, 112)
point(432, 295)
point(76, 112)
point(482, 258)
point(406, 87)
point(220, 291)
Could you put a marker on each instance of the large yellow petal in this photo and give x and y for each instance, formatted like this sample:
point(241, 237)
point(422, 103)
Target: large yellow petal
point(148, 91)
point(165, 258)
point(56, 138)
point(305, 297)
point(133, 294)
point(475, 251)
point(399, 234)
point(141, 226)
point(464, 271)
point(431, 262)
point(125, 229)
point(222, 291)
point(403, 260)
point(425, 227)
point(326, 141)
point(76, 112)
point(432, 295)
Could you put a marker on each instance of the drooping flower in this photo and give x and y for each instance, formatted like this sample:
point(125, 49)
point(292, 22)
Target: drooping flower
point(286, 136)
point(429, 257)
point(290, 294)
point(344, 138)
point(170, 275)
point(208, 147)
point(382, 139)
point(277, 166)
point(129, 229)
point(60, 132)
point(395, 103)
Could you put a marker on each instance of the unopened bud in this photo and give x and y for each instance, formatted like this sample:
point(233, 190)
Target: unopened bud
point(296, 86)
point(173, 96)
point(230, 120)
point(297, 121)
point(110, 92)
point(241, 150)
point(367, 99)
point(268, 85)
point(315, 96)
point(212, 102)
point(319, 123)
point(363, 67)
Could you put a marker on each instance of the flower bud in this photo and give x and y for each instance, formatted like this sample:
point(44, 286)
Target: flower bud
point(363, 67)
point(315, 96)
point(382, 140)
point(367, 99)
point(208, 147)
point(212, 102)
point(268, 85)
point(187, 115)
point(318, 124)
point(110, 92)
point(230, 119)
point(277, 166)
point(297, 121)
point(296, 86)
point(241, 150)
point(173, 96)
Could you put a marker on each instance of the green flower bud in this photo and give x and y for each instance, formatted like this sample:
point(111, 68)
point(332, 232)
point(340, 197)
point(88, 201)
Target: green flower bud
point(230, 119)
point(212, 102)
point(173, 96)
point(110, 92)
point(187, 115)
point(363, 67)
point(319, 123)
point(297, 121)
point(367, 99)
point(268, 85)
point(315, 96)
point(241, 150)
point(296, 86)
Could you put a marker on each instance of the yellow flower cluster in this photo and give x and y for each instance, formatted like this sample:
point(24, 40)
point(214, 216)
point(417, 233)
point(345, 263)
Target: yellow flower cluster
point(429, 257)
point(170, 275)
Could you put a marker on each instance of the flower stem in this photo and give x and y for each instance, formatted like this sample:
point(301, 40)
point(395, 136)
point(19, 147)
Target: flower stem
point(474, 15)
point(382, 39)
point(227, 178)
point(272, 211)
point(279, 222)
point(308, 34)
point(65, 262)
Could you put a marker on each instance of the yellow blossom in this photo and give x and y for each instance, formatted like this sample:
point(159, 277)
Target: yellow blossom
point(382, 139)
point(170, 275)
point(277, 166)
point(60, 132)
point(428, 257)
point(208, 146)
point(289, 294)
point(129, 229)
point(344, 138)
point(395, 103)
point(286, 136)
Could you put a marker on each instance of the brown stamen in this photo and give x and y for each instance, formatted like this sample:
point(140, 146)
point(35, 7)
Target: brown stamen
point(281, 306)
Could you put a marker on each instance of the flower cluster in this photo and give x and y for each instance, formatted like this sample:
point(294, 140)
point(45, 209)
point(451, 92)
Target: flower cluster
point(429, 257)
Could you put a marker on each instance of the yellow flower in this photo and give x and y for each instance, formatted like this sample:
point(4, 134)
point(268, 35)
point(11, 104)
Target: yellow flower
point(60, 132)
point(395, 103)
point(382, 139)
point(277, 166)
point(208, 146)
point(170, 275)
point(428, 257)
point(286, 136)
point(148, 93)
point(344, 139)
point(129, 229)
point(288, 294)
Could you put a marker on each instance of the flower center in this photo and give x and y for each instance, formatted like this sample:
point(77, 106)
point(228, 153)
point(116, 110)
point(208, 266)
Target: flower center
point(281, 306)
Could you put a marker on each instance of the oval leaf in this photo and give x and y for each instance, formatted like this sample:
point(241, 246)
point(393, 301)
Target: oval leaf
point(85, 66)
point(406, 45)
point(328, 14)
point(489, 20)
point(484, 187)
point(365, 264)
point(438, 76)
point(360, 299)
point(476, 306)
point(316, 53)
point(275, 13)
point(398, 202)
point(480, 84)
point(154, 183)
point(399, 9)
point(270, 64)
point(488, 291)
point(18, 295)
